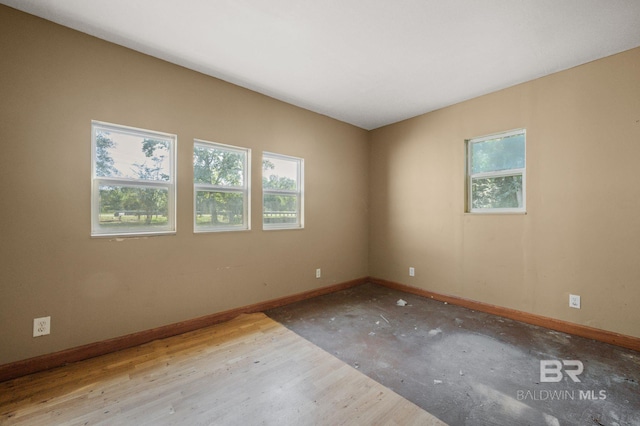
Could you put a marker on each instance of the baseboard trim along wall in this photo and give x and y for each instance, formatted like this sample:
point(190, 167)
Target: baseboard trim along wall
point(604, 336)
point(57, 359)
point(45, 362)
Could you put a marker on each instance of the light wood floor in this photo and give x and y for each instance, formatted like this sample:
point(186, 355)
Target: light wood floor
point(248, 371)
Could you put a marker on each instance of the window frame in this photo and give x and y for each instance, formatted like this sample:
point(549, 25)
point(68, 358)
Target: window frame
point(522, 171)
point(245, 189)
point(97, 181)
point(298, 193)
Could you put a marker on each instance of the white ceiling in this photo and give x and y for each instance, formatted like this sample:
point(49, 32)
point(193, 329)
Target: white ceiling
point(365, 62)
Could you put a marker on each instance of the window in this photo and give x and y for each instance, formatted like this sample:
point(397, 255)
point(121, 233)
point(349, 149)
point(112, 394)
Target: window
point(496, 173)
point(221, 187)
point(282, 192)
point(133, 173)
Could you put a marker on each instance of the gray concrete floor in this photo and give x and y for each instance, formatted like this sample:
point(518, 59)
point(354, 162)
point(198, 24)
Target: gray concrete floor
point(467, 367)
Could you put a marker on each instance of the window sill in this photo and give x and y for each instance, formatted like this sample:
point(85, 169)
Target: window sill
point(493, 213)
point(120, 237)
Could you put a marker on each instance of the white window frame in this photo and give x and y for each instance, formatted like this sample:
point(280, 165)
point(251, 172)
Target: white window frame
point(244, 190)
point(495, 174)
point(299, 193)
point(99, 231)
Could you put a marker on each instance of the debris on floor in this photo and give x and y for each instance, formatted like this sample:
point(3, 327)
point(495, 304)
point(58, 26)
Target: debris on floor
point(385, 319)
point(472, 343)
point(401, 302)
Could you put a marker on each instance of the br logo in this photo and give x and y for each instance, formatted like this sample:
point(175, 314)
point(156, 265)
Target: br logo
point(551, 370)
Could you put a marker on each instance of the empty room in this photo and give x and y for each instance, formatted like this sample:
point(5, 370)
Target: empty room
point(320, 213)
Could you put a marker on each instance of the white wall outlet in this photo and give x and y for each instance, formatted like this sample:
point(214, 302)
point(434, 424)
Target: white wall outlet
point(41, 326)
point(318, 273)
point(574, 301)
point(412, 271)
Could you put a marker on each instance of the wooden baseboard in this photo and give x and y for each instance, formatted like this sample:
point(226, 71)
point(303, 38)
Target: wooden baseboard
point(57, 359)
point(610, 337)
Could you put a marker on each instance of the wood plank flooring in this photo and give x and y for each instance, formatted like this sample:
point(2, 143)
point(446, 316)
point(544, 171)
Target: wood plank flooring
point(247, 371)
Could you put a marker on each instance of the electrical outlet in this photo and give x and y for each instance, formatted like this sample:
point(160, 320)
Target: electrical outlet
point(574, 301)
point(412, 271)
point(318, 273)
point(41, 326)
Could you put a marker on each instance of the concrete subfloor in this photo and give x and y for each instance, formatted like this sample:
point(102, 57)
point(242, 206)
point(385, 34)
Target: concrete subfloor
point(467, 367)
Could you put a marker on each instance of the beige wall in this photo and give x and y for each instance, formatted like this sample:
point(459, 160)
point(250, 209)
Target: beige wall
point(53, 82)
point(398, 192)
point(581, 233)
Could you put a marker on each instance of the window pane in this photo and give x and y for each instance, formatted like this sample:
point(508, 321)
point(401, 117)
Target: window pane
point(495, 193)
point(498, 154)
point(219, 209)
point(130, 207)
point(280, 173)
point(280, 209)
point(133, 189)
point(131, 156)
point(218, 166)
point(282, 188)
